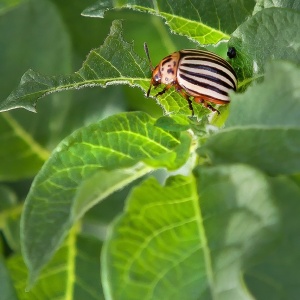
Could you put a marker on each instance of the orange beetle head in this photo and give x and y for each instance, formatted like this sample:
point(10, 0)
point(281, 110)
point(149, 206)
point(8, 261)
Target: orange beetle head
point(156, 78)
point(156, 73)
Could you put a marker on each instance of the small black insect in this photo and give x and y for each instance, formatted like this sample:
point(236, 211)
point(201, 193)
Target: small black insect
point(231, 53)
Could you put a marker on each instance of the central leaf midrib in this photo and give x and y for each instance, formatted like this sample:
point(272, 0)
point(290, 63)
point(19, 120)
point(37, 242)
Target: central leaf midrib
point(202, 237)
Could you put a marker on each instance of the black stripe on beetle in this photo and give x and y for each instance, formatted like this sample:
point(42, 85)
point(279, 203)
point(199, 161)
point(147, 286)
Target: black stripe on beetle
point(208, 86)
point(218, 63)
point(195, 73)
point(210, 78)
point(205, 55)
point(215, 70)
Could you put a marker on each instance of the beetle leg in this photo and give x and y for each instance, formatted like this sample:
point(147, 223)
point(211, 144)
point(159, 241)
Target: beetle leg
point(190, 105)
point(187, 97)
point(164, 90)
point(210, 107)
point(181, 91)
point(205, 104)
point(161, 92)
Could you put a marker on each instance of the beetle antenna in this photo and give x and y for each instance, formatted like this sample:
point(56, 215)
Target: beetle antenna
point(150, 64)
point(147, 53)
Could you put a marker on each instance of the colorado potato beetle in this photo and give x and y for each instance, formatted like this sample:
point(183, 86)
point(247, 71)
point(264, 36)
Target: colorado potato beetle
point(195, 73)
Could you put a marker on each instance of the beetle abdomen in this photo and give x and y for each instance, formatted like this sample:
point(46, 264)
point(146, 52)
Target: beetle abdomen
point(204, 74)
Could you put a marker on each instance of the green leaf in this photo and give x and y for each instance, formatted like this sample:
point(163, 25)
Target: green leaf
point(270, 34)
point(203, 21)
point(113, 63)
point(20, 155)
point(275, 275)
point(165, 239)
point(73, 272)
point(263, 128)
point(120, 141)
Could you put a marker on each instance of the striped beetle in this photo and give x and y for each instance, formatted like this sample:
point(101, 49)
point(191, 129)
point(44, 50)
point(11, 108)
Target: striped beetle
point(195, 73)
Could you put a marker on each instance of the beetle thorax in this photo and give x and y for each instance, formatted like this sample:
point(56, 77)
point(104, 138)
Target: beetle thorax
point(168, 68)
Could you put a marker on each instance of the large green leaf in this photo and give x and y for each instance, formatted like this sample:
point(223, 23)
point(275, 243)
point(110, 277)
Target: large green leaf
point(73, 272)
point(20, 155)
point(191, 238)
point(67, 184)
point(204, 21)
point(270, 34)
point(263, 128)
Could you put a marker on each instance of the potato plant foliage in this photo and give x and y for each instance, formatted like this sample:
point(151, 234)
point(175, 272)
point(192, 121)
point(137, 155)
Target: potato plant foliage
point(106, 194)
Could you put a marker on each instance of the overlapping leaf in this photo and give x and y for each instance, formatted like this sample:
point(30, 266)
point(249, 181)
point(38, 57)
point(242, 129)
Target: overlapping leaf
point(165, 240)
point(61, 192)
